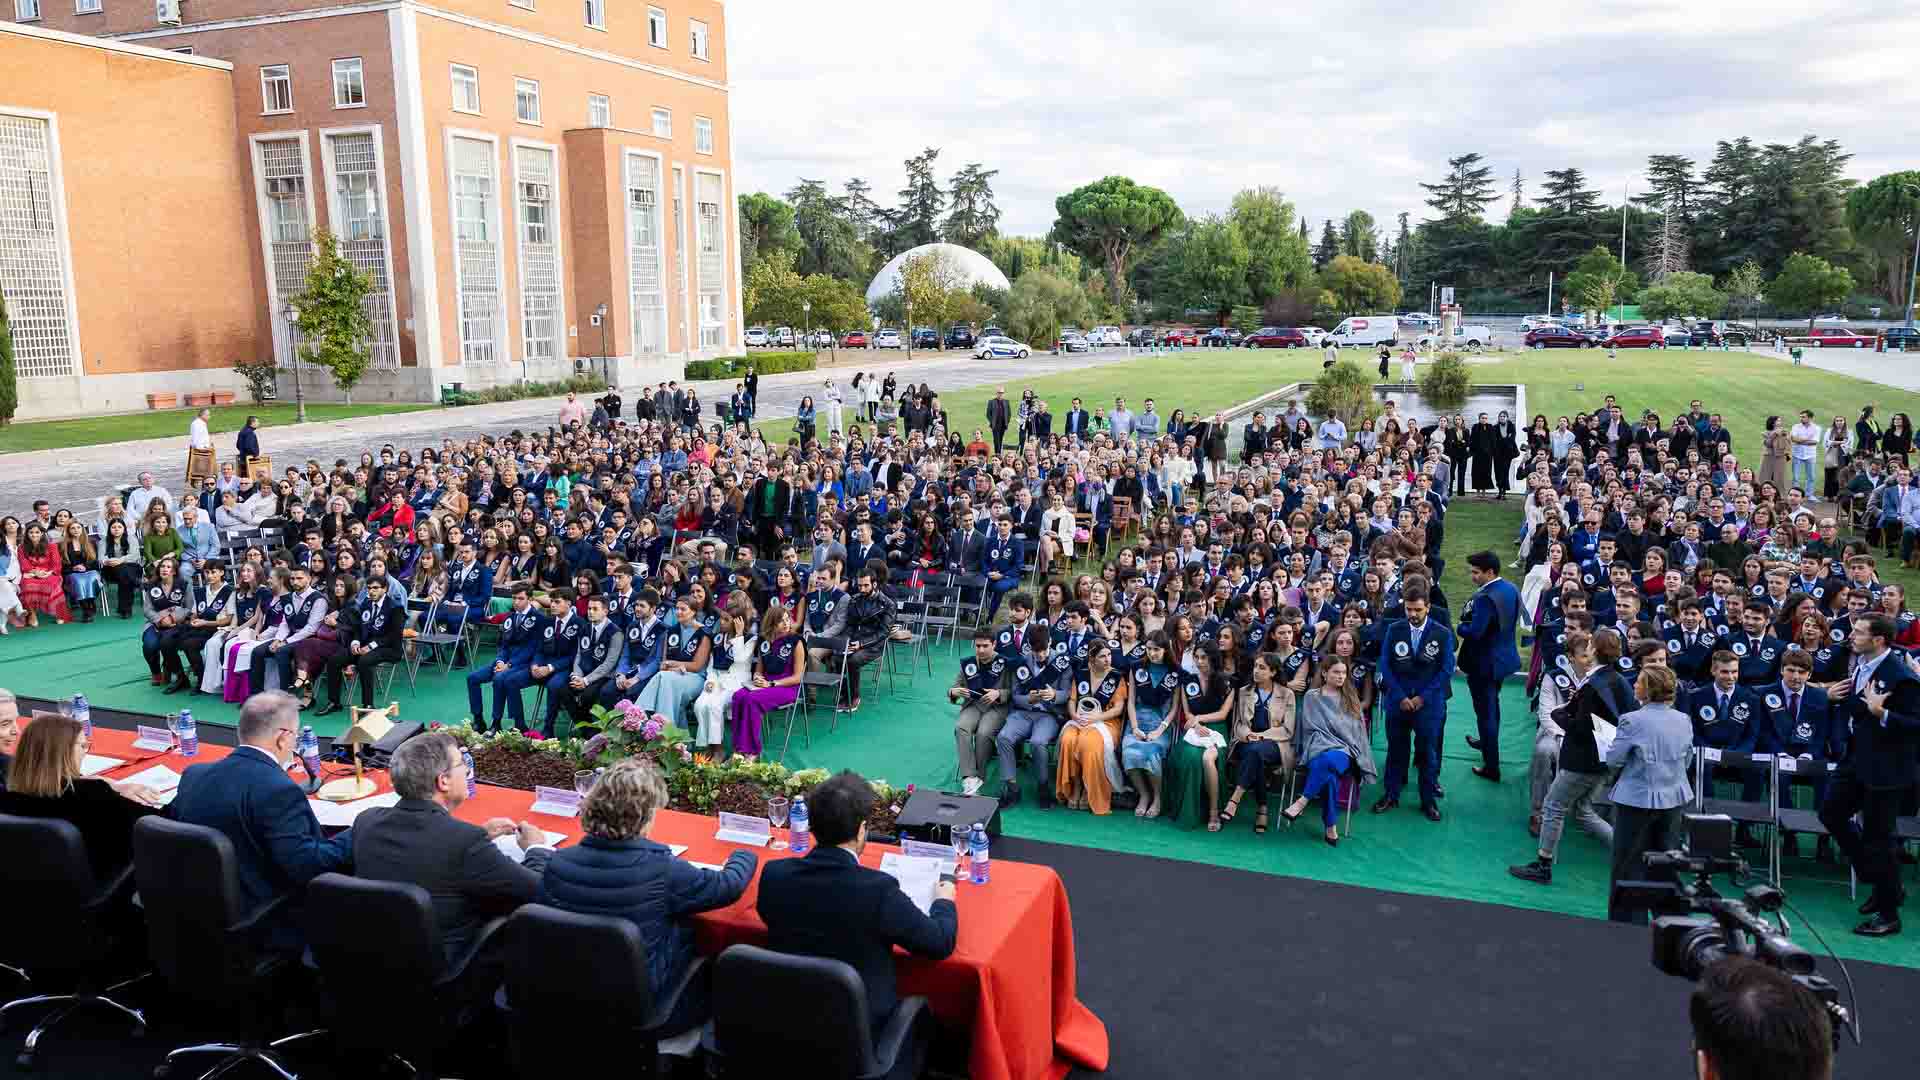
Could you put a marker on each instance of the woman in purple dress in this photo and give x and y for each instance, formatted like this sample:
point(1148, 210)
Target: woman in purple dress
point(778, 669)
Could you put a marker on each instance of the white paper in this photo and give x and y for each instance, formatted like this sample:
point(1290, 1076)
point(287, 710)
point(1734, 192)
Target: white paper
point(677, 849)
point(509, 844)
point(920, 849)
point(339, 815)
point(159, 778)
point(704, 865)
point(917, 877)
point(743, 829)
point(94, 764)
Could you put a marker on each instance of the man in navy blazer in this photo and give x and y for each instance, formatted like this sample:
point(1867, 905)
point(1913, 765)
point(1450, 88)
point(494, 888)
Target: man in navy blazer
point(1488, 654)
point(248, 796)
point(1416, 669)
point(827, 904)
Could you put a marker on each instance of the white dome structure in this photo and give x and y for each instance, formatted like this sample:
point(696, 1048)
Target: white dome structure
point(974, 269)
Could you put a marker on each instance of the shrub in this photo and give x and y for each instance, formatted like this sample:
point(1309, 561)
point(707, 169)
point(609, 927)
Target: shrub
point(9, 376)
point(1344, 390)
point(260, 375)
point(733, 367)
point(1444, 385)
point(582, 384)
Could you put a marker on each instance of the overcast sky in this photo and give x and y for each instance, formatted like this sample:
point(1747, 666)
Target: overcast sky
point(1345, 105)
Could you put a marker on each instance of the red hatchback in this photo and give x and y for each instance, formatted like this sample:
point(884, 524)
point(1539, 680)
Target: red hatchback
point(1275, 337)
point(855, 339)
point(1638, 337)
point(1181, 335)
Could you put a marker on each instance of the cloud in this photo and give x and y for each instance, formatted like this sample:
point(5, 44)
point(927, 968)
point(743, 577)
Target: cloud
point(1342, 107)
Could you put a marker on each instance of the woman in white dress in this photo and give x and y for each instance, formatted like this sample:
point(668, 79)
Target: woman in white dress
point(1056, 533)
point(834, 402)
point(732, 666)
point(250, 615)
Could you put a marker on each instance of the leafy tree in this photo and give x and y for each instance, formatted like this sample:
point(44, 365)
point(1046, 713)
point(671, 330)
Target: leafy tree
point(1747, 286)
point(837, 305)
point(1358, 237)
point(1519, 194)
point(1884, 216)
point(1277, 254)
point(333, 320)
point(1809, 283)
point(1465, 192)
point(1111, 220)
point(9, 374)
point(1683, 294)
point(831, 239)
point(1344, 390)
point(1245, 318)
point(1293, 307)
point(929, 284)
point(1040, 303)
point(1014, 255)
point(1359, 286)
point(1403, 250)
point(1445, 383)
point(766, 225)
point(1328, 247)
point(1598, 281)
point(774, 291)
point(973, 215)
point(921, 202)
point(1213, 266)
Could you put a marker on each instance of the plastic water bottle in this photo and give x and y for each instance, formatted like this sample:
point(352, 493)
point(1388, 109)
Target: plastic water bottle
point(310, 752)
point(189, 735)
point(799, 836)
point(466, 758)
point(83, 713)
point(978, 854)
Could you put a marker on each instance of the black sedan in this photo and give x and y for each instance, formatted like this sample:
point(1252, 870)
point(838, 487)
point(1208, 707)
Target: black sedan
point(960, 337)
point(926, 337)
point(1557, 337)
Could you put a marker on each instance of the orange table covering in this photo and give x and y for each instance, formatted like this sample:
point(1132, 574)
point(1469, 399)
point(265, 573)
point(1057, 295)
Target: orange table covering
point(1010, 979)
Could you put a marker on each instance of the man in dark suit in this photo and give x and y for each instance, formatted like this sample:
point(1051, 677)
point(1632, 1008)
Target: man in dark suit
point(1881, 700)
point(249, 797)
point(1077, 420)
point(1488, 654)
point(827, 904)
point(999, 414)
point(418, 840)
point(1416, 666)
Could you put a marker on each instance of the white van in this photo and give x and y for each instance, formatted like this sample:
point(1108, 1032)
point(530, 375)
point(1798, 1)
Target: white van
point(1366, 330)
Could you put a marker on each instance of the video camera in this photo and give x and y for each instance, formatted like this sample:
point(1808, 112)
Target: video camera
point(1695, 927)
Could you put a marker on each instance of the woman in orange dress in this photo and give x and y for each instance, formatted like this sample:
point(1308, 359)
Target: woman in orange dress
point(1089, 770)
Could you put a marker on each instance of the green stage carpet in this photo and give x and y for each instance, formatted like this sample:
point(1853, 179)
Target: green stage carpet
point(907, 737)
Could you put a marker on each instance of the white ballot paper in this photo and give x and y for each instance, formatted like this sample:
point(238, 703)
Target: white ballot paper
point(159, 778)
point(509, 845)
point(340, 815)
point(94, 764)
point(917, 877)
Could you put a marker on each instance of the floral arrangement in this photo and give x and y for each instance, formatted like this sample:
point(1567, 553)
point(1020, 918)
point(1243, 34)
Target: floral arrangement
point(626, 730)
point(512, 739)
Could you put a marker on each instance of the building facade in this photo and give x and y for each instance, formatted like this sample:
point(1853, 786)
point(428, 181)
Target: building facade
point(533, 186)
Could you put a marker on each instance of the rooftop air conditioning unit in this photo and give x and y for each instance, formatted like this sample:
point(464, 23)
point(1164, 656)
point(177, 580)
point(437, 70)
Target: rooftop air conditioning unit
point(167, 11)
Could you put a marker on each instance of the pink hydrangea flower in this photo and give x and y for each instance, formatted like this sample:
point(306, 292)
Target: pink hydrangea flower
point(632, 723)
point(652, 729)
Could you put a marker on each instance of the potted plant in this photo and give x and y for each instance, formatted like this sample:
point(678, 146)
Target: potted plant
point(164, 400)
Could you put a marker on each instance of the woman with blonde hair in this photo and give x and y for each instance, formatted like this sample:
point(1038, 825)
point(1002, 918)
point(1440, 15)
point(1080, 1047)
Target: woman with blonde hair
point(45, 781)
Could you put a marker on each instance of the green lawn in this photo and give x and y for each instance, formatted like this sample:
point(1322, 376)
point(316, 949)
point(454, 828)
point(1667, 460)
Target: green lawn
point(170, 423)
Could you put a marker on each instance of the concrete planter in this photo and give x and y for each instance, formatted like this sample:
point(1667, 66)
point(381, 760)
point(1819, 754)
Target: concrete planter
point(223, 397)
point(162, 400)
point(199, 399)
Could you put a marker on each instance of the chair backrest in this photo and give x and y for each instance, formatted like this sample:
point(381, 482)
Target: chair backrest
point(189, 883)
point(757, 1028)
point(374, 933)
point(562, 966)
point(47, 902)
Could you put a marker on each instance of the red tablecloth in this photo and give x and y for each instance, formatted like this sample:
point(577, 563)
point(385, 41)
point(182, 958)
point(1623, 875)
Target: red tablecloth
point(1010, 978)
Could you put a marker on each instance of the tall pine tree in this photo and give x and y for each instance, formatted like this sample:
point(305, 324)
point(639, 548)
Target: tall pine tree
point(1327, 248)
point(973, 215)
point(921, 201)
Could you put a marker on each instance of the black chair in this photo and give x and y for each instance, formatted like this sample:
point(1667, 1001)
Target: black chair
point(562, 967)
point(212, 953)
point(382, 935)
point(59, 924)
point(753, 1035)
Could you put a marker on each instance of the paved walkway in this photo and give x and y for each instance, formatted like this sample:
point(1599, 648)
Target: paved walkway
point(1898, 370)
point(74, 477)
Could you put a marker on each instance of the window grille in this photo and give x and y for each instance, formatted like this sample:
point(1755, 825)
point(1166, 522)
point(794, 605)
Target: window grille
point(31, 270)
point(539, 254)
point(476, 249)
point(362, 231)
point(645, 276)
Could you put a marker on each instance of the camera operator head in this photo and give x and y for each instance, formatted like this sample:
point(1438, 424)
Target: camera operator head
point(1753, 1022)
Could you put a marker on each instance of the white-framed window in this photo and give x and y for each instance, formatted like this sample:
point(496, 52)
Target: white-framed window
point(646, 273)
point(599, 110)
point(476, 249)
point(663, 123)
point(657, 27)
point(597, 14)
point(466, 88)
point(711, 272)
point(33, 233)
point(526, 101)
point(26, 10)
point(702, 135)
point(349, 83)
point(697, 31)
point(282, 165)
point(276, 88)
point(359, 222)
point(86, 7)
point(540, 331)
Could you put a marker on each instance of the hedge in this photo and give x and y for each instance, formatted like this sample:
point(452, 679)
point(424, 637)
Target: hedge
point(733, 367)
point(584, 384)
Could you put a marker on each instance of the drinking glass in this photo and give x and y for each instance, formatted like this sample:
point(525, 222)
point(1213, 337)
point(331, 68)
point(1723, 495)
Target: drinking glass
point(777, 809)
point(583, 780)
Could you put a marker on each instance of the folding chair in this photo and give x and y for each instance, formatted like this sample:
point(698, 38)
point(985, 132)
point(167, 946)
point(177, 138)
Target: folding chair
point(1792, 819)
point(837, 648)
point(972, 607)
point(913, 615)
point(798, 711)
point(941, 614)
point(1763, 814)
point(421, 613)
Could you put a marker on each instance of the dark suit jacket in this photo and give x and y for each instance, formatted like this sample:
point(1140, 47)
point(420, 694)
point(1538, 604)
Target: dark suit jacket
point(265, 814)
point(104, 817)
point(1486, 639)
point(998, 414)
point(827, 904)
point(469, 878)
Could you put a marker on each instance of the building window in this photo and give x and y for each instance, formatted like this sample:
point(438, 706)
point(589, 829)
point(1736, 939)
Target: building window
point(599, 110)
point(697, 30)
point(539, 254)
point(476, 249)
point(283, 178)
point(646, 277)
point(709, 232)
point(276, 89)
point(32, 273)
point(349, 84)
point(361, 226)
point(702, 135)
point(526, 101)
point(86, 7)
point(663, 123)
point(466, 88)
point(26, 10)
point(657, 27)
point(597, 14)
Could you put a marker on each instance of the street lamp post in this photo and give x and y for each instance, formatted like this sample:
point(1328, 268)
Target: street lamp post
point(601, 314)
point(299, 397)
point(806, 320)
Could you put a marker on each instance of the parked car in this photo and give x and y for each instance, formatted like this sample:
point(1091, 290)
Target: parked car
point(1366, 330)
point(1837, 337)
point(1179, 336)
point(1276, 337)
point(1221, 337)
point(783, 337)
point(1555, 336)
point(1707, 333)
point(1140, 337)
point(1637, 337)
point(855, 339)
point(1316, 335)
point(1464, 337)
point(1535, 322)
point(1417, 320)
point(1101, 337)
point(1902, 338)
point(757, 337)
point(926, 337)
point(1072, 342)
point(1000, 345)
point(889, 338)
point(959, 336)
point(1830, 317)
point(1748, 333)
point(992, 331)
